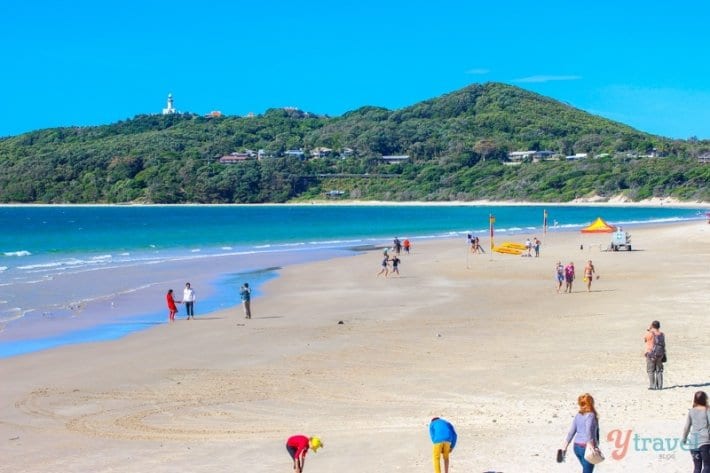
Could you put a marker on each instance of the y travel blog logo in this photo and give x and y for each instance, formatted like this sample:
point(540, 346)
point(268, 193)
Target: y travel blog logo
point(664, 447)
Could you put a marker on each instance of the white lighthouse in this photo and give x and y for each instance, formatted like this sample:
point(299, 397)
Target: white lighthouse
point(169, 109)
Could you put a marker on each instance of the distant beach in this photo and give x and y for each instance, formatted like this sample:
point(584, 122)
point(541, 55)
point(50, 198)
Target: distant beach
point(74, 274)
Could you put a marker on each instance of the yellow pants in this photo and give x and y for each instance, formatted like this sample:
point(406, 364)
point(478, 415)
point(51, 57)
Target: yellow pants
point(441, 448)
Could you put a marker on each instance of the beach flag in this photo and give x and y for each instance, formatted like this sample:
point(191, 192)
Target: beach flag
point(544, 221)
point(491, 222)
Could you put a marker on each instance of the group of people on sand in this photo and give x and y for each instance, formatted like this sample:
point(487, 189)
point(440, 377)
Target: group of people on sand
point(585, 434)
point(442, 433)
point(565, 274)
point(696, 432)
point(531, 245)
point(475, 244)
point(189, 298)
point(393, 258)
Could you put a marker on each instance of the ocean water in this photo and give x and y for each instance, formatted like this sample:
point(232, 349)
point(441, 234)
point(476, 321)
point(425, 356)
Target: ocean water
point(71, 274)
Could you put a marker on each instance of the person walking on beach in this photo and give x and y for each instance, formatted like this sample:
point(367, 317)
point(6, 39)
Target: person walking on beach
point(188, 298)
point(385, 267)
point(395, 265)
point(536, 245)
point(560, 275)
point(443, 436)
point(172, 308)
point(406, 244)
point(584, 430)
point(569, 277)
point(245, 294)
point(297, 447)
point(528, 246)
point(589, 274)
point(397, 245)
point(655, 353)
point(696, 434)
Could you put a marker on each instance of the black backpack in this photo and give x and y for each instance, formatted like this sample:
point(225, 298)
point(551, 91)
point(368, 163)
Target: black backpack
point(659, 347)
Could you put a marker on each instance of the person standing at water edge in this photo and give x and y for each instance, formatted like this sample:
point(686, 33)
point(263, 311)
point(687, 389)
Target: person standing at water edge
point(297, 447)
point(188, 298)
point(172, 308)
point(443, 436)
point(696, 434)
point(245, 294)
point(655, 354)
point(584, 430)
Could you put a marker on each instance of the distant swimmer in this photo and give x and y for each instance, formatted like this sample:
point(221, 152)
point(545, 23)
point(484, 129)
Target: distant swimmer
point(297, 447)
point(443, 436)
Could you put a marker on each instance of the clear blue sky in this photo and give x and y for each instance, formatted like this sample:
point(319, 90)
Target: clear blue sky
point(96, 62)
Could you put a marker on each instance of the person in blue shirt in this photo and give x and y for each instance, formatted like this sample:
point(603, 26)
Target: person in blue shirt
point(443, 436)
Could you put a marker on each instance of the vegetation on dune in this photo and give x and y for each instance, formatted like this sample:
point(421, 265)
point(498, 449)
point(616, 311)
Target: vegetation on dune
point(457, 143)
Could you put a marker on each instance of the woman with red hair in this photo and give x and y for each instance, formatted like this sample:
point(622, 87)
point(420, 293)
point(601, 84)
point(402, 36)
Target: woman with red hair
point(584, 430)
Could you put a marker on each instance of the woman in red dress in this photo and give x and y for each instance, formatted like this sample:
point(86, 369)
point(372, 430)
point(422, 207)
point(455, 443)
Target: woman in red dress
point(171, 305)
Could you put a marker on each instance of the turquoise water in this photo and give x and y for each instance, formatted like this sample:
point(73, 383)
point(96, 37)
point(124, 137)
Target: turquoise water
point(65, 270)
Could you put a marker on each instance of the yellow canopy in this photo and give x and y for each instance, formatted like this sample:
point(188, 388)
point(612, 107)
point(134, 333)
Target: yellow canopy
point(599, 226)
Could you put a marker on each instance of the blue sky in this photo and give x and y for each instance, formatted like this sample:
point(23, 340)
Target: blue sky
point(96, 62)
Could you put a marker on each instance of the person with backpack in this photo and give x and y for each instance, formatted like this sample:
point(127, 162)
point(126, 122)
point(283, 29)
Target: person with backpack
point(655, 354)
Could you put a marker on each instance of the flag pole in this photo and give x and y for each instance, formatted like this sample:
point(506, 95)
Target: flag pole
point(544, 222)
point(491, 222)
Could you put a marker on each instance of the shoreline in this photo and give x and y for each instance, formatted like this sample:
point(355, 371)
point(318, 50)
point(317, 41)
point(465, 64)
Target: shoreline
point(647, 203)
point(489, 346)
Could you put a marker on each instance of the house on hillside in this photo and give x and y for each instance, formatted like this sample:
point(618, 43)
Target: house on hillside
point(233, 158)
point(576, 157)
point(347, 153)
point(530, 155)
point(321, 152)
point(295, 153)
point(395, 159)
point(704, 158)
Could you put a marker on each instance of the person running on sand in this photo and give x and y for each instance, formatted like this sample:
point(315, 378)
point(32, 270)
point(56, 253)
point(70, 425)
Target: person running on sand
point(385, 267)
point(560, 275)
point(297, 447)
point(172, 308)
point(589, 275)
point(696, 434)
point(584, 430)
point(395, 265)
point(569, 277)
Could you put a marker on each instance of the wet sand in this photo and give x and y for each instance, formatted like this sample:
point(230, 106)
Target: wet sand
point(483, 341)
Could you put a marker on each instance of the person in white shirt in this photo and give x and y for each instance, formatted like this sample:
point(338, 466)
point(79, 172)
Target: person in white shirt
point(188, 298)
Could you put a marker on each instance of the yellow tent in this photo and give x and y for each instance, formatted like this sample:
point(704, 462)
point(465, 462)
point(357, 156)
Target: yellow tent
point(599, 226)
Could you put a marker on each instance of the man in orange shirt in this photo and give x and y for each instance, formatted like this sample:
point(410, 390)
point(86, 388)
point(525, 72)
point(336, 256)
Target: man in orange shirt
point(655, 349)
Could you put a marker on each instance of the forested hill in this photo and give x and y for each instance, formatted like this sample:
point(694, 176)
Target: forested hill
point(458, 147)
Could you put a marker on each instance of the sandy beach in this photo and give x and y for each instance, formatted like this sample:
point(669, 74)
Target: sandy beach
point(484, 341)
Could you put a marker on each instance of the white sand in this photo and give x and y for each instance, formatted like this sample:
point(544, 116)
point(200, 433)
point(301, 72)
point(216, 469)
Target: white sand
point(491, 347)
